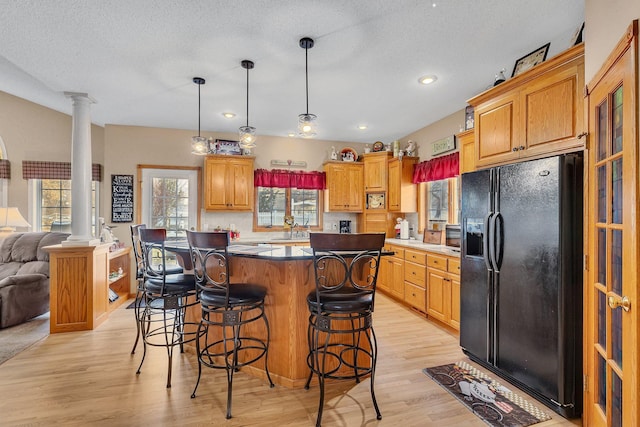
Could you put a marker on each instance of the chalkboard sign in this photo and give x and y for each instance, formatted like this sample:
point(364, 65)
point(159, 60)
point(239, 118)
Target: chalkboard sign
point(121, 198)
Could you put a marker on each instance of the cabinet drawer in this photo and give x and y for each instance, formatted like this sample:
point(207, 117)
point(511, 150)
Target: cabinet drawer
point(415, 296)
point(399, 251)
point(415, 256)
point(415, 273)
point(453, 266)
point(437, 261)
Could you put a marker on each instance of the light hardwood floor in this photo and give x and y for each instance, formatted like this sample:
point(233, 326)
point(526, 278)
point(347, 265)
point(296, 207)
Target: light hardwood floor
point(88, 379)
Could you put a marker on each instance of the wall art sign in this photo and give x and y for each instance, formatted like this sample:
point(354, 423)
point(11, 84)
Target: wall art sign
point(121, 198)
point(443, 145)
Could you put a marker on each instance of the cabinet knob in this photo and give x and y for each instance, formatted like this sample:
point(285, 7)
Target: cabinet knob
point(582, 135)
point(522, 147)
point(514, 149)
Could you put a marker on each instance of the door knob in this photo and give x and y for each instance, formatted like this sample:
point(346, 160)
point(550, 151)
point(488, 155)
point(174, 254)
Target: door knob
point(615, 301)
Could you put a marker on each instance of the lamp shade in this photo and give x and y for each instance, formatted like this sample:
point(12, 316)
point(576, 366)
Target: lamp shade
point(10, 218)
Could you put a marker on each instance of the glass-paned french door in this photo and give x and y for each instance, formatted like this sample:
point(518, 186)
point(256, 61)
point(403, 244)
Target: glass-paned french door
point(611, 323)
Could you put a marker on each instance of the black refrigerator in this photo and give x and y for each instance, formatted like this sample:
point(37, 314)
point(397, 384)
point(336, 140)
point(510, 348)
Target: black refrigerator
point(521, 276)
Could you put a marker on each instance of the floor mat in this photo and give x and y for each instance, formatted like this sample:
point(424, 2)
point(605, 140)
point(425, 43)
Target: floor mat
point(493, 403)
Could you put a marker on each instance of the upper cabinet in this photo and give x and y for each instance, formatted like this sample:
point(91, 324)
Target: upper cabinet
point(344, 186)
point(228, 184)
point(538, 112)
point(403, 196)
point(375, 171)
point(466, 142)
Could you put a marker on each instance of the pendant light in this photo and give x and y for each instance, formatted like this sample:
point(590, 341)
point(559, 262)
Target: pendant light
point(247, 133)
point(199, 144)
point(307, 123)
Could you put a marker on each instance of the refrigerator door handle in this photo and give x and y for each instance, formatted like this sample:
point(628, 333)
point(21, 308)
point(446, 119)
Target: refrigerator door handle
point(485, 241)
point(498, 236)
point(492, 243)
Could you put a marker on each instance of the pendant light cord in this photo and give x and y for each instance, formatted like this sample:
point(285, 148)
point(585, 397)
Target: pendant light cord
point(199, 109)
point(306, 74)
point(247, 96)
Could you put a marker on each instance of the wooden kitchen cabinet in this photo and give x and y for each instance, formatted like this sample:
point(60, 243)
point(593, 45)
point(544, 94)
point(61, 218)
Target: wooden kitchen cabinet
point(391, 272)
point(536, 113)
point(403, 193)
point(466, 142)
point(375, 171)
point(228, 183)
point(345, 192)
point(443, 289)
point(415, 284)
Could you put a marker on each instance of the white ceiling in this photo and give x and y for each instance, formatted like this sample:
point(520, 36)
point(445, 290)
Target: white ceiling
point(137, 58)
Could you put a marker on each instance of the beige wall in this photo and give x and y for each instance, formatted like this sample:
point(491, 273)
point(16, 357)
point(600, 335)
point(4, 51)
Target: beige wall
point(425, 137)
point(605, 24)
point(33, 132)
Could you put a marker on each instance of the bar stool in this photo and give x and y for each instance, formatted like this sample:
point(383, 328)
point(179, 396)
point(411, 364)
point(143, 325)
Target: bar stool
point(166, 299)
point(227, 307)
point(342, 342)
point(139, 260)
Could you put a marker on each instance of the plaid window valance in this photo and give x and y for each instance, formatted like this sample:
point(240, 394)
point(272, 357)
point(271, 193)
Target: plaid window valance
point(54, 170)
point(5, 169)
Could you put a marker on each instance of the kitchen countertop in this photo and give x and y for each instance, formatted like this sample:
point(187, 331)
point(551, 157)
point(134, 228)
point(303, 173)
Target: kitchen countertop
point(417, 244)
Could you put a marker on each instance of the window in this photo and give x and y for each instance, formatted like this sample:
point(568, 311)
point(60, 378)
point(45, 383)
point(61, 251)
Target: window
point(274, 203)
point(170, 200)
point(52, 205)
point(439, 202)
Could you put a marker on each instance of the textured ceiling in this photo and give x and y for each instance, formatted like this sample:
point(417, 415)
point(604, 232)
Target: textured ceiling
point(137, 58)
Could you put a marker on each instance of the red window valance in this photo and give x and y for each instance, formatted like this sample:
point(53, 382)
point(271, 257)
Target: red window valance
point(54, 170)
point(439, 168)
point(282, 178)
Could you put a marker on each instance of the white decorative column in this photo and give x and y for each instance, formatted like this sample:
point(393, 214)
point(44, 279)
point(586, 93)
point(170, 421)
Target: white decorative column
point(81, 172)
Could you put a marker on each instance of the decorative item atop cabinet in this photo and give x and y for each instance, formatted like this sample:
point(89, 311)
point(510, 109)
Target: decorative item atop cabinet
point(345, 190)
point(228, 183)
point(534, 114)
point(403, 194)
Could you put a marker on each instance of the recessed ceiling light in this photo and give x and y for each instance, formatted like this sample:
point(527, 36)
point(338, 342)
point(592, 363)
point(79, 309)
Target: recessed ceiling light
point(362, 127)
point(428, 79)
point(291, 134)
point(229, 115)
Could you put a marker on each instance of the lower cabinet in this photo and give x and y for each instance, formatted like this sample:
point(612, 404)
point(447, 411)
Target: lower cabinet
point(443, 290)
point(426, 281)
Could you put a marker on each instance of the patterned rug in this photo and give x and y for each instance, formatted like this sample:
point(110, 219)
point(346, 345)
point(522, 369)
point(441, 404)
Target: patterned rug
point(18, 338)
point(495, 404)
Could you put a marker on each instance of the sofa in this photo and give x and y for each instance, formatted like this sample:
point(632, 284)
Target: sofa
point(24, 275)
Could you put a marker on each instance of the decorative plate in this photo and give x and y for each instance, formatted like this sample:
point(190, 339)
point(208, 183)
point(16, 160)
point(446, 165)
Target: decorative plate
point(375, 200)
point(348, 154)
point(378, 146)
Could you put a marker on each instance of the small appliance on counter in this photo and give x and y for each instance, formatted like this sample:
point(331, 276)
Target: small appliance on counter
point(345, 226)
point(452, 235)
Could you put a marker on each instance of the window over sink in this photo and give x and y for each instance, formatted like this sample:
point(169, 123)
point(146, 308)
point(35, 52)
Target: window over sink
point(274, 203)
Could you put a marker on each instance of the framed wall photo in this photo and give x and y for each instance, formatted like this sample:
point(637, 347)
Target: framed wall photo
point(577, 36)
point(530, 60)
point(225, 146)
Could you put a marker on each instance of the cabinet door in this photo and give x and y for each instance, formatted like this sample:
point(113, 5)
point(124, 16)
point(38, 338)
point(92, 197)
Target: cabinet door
point(384, 278)
point(375, 172)
point(228, 184)
point(554, 106)
point(466, 142)
point(455, 301)
point(344, 187)
point(496, 130)
point(240, 177)
point(393, 197)
point(397, 277)
point(437, 299)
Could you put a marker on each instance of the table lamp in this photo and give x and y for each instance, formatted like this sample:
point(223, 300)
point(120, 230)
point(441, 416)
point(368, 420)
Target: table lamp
point(10, 218)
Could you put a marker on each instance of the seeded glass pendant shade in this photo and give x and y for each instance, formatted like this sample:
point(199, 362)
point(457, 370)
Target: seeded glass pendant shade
point(199, 144)
point(247, 134)
point(307, 123)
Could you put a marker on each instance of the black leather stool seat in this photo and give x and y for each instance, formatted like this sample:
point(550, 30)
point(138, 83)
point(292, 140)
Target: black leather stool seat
point(244, 294)
point(347, 300)
point(174, 284)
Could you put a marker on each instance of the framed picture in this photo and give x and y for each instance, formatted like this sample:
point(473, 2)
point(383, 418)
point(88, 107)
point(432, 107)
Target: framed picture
point(225, 146)
point(375, 201)
point(577, 36)
point(530, 60)
point(468, 117)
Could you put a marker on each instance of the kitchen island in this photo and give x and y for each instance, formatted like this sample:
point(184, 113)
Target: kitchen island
point(287, 273)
